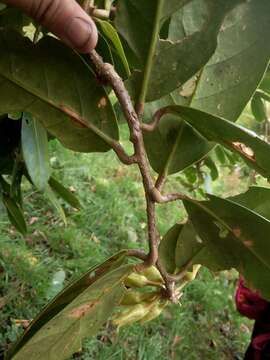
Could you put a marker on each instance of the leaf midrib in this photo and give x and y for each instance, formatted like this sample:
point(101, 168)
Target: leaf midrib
point(106, 138)
point(227, 227)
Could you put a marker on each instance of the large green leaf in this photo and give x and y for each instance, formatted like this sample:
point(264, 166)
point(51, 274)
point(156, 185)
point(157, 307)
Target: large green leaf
point(235, 237)
point(136, 20)
point(189, 248)
point(174, 145)
point(229, 79)
point(35, 151)
point(67, 296)
point(246, 143)
point(257, 199)
point(59, 89)
point(62, 335)
point(167, 76)
point(223, 86)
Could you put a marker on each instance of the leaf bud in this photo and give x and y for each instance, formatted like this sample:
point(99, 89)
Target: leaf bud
point(153, 275)
point(154, 311)
point(133, 297)
point(136, 280)
point(131, 314)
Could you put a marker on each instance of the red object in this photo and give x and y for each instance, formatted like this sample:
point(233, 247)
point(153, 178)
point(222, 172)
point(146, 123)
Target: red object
point(250, 304)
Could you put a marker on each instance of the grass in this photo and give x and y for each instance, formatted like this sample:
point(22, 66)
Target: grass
point(206, 326)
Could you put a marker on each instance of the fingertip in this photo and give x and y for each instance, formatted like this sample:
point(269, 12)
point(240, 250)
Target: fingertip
point(91, 43)
point(81, 34)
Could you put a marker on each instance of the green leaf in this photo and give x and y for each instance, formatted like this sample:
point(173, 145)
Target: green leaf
point(64, 193)
point(258, 108)
point(180, 50)
point(35, 151)
point(227, 82)
point(54, 84)
point(190, 250)
point(223, 86)
point(166, 77)
point(256, 199)
point(234, 237)
point(15, 214)
point(139, 23)
point(174, 145)
point(246, 143)
point(135, 21)
point(65, 297)
point(63, 334)
point(55, 203)
point(167, 248)
point(112, 35)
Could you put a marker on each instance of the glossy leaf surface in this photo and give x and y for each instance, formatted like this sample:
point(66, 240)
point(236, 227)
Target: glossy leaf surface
point(229, 235)
point(35, 151)
point(59, 89)
point(69, 295)
point(246, 143)
point(223, 86)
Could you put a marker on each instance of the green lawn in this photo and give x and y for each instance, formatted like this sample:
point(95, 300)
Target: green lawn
point(33, 269)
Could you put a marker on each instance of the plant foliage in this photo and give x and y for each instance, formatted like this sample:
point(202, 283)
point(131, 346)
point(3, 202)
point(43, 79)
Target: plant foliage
point(188, 69)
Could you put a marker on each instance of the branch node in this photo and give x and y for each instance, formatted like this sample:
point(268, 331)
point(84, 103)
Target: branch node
point(155, 121)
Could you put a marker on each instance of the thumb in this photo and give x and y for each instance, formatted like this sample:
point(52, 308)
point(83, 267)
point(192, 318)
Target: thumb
point(65, 18)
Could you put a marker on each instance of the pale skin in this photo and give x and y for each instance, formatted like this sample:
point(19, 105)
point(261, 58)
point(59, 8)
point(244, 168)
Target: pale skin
point(65, 18)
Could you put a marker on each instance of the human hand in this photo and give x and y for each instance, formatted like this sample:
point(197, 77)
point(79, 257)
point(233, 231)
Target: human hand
point(65, 18)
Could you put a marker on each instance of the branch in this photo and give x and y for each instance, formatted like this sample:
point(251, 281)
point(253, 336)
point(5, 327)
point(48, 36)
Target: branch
point(106, 71)
point(170, 285)
point(151, 127)
point(160, 182)
point(163, 199)
point(139, 254)
point(122, 155)
point(116, 146)
point(152, 194)
point(156, 119)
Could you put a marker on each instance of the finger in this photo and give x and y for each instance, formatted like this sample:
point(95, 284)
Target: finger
point(65, 18)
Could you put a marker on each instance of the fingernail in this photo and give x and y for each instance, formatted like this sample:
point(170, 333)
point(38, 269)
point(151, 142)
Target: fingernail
point(79, 32)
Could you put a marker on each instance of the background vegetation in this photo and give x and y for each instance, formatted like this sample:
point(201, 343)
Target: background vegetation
point(210, 63)
point(34, 269)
